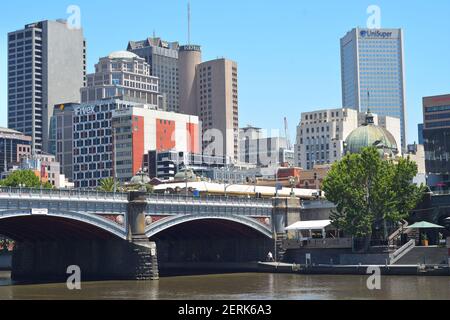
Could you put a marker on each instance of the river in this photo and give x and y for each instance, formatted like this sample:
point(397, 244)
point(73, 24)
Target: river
point(251, 286)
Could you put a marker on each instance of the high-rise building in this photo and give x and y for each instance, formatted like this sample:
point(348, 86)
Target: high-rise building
point(140, 129)
point(46, 66)
point(110, 137)
point(162, 56)
point(373, 73)
point(218, 106)
point(436, 134)
point(321, 134)
point(14, 145)
point(209, 90)
point(122, 74)
point(190, 57)
point(61, 140)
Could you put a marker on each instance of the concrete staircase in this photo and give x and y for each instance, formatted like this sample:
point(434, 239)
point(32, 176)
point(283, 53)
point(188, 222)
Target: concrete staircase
point(422, 255)
point(401, 252)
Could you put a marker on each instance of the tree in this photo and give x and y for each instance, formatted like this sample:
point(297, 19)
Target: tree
point(368, 190)
point(25, 179)
point(108, 185)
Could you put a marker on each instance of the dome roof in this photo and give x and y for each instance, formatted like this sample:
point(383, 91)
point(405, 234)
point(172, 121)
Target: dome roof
point(369, 135)
point(122, 55)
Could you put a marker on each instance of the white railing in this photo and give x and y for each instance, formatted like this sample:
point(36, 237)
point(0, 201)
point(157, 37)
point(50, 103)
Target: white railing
point(397, 255)
point(60, 194)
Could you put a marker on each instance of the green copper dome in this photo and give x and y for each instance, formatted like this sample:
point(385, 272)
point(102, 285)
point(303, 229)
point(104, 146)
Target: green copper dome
point(371, 135)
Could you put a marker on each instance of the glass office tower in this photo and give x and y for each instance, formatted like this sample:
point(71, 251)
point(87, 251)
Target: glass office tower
point(373, 78)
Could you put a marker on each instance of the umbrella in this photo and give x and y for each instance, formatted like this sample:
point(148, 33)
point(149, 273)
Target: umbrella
point(424, 225)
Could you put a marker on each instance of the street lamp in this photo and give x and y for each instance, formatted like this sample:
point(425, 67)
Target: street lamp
point(292, 184)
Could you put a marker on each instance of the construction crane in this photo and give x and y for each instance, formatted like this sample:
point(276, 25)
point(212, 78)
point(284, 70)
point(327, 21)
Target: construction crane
point(286, 133)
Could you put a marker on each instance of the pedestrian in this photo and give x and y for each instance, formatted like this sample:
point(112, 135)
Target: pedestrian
point(270, 257)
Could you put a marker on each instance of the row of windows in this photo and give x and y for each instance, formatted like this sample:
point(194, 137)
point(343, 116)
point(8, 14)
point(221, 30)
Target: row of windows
point(437, 108)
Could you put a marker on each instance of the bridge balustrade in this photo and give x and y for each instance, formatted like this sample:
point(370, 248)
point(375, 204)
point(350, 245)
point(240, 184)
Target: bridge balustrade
point(62, 194)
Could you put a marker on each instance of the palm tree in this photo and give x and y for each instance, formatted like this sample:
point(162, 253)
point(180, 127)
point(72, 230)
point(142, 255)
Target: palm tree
point(107, 185)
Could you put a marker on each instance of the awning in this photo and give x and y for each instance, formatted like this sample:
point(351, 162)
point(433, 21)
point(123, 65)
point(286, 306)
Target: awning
point(424, 225)
point(309, 225)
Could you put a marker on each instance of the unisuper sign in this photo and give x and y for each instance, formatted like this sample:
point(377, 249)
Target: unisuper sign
point(375, 34)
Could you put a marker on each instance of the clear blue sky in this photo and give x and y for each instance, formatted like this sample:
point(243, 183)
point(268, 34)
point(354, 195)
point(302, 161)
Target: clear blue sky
point(287, 50)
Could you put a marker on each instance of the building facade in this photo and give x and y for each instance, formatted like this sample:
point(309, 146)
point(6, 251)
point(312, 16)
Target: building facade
point(190, 57)
point(166, 164)
point(258, 149)
point(373, 73)
point(14, 146)
point(321, 134)
point(61, 139)
point(46, 168)
point(140, 129)
point(218, 107)
point(162, 57)
point(122, 74)
point(46, 66)
point(436, 134)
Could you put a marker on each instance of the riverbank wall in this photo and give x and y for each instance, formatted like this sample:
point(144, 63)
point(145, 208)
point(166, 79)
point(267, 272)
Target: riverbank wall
point(397, 270)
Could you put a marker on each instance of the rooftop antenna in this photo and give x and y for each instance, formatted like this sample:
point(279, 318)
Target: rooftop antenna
point(154, 34)
point(189, 22)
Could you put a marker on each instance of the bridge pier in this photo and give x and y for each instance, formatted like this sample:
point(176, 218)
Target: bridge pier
point(286, 211)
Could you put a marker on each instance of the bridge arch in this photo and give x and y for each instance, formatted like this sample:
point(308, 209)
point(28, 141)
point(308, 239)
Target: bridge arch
point(22, 225)
point(165, 224)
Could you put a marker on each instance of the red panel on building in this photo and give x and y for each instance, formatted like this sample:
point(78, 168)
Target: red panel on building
point(138, 143)
point(192, 138)
point(165, 135)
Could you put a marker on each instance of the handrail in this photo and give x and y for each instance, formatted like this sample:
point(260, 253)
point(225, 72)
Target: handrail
point(400, 230)
point(60, 193)
point(99, 195)
point(402, 251)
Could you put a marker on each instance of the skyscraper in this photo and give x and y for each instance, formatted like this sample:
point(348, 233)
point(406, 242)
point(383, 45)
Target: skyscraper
point(217, 103)
point(373, 73)
point(46, 66)
point(162, 56)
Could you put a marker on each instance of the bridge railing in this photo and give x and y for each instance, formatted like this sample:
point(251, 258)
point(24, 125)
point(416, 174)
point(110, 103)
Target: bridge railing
point(182, 199)
point(61, 194)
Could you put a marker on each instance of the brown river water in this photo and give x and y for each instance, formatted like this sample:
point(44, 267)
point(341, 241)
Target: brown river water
point(251, 286)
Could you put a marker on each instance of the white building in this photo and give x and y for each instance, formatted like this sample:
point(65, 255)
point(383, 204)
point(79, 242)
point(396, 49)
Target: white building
point(321, 134)
point(256, 148)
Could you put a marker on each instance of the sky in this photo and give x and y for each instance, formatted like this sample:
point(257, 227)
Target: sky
point(287, 50)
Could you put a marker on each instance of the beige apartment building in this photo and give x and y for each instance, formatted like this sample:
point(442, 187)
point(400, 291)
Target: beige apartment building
point(209, 90)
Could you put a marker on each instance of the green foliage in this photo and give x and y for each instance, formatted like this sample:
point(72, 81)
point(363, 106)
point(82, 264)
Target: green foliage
point(107, 185)
point(24, 179)
point(367, 189)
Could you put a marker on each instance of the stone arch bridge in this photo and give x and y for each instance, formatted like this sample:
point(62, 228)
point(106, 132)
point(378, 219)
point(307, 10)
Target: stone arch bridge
point(114, 235)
